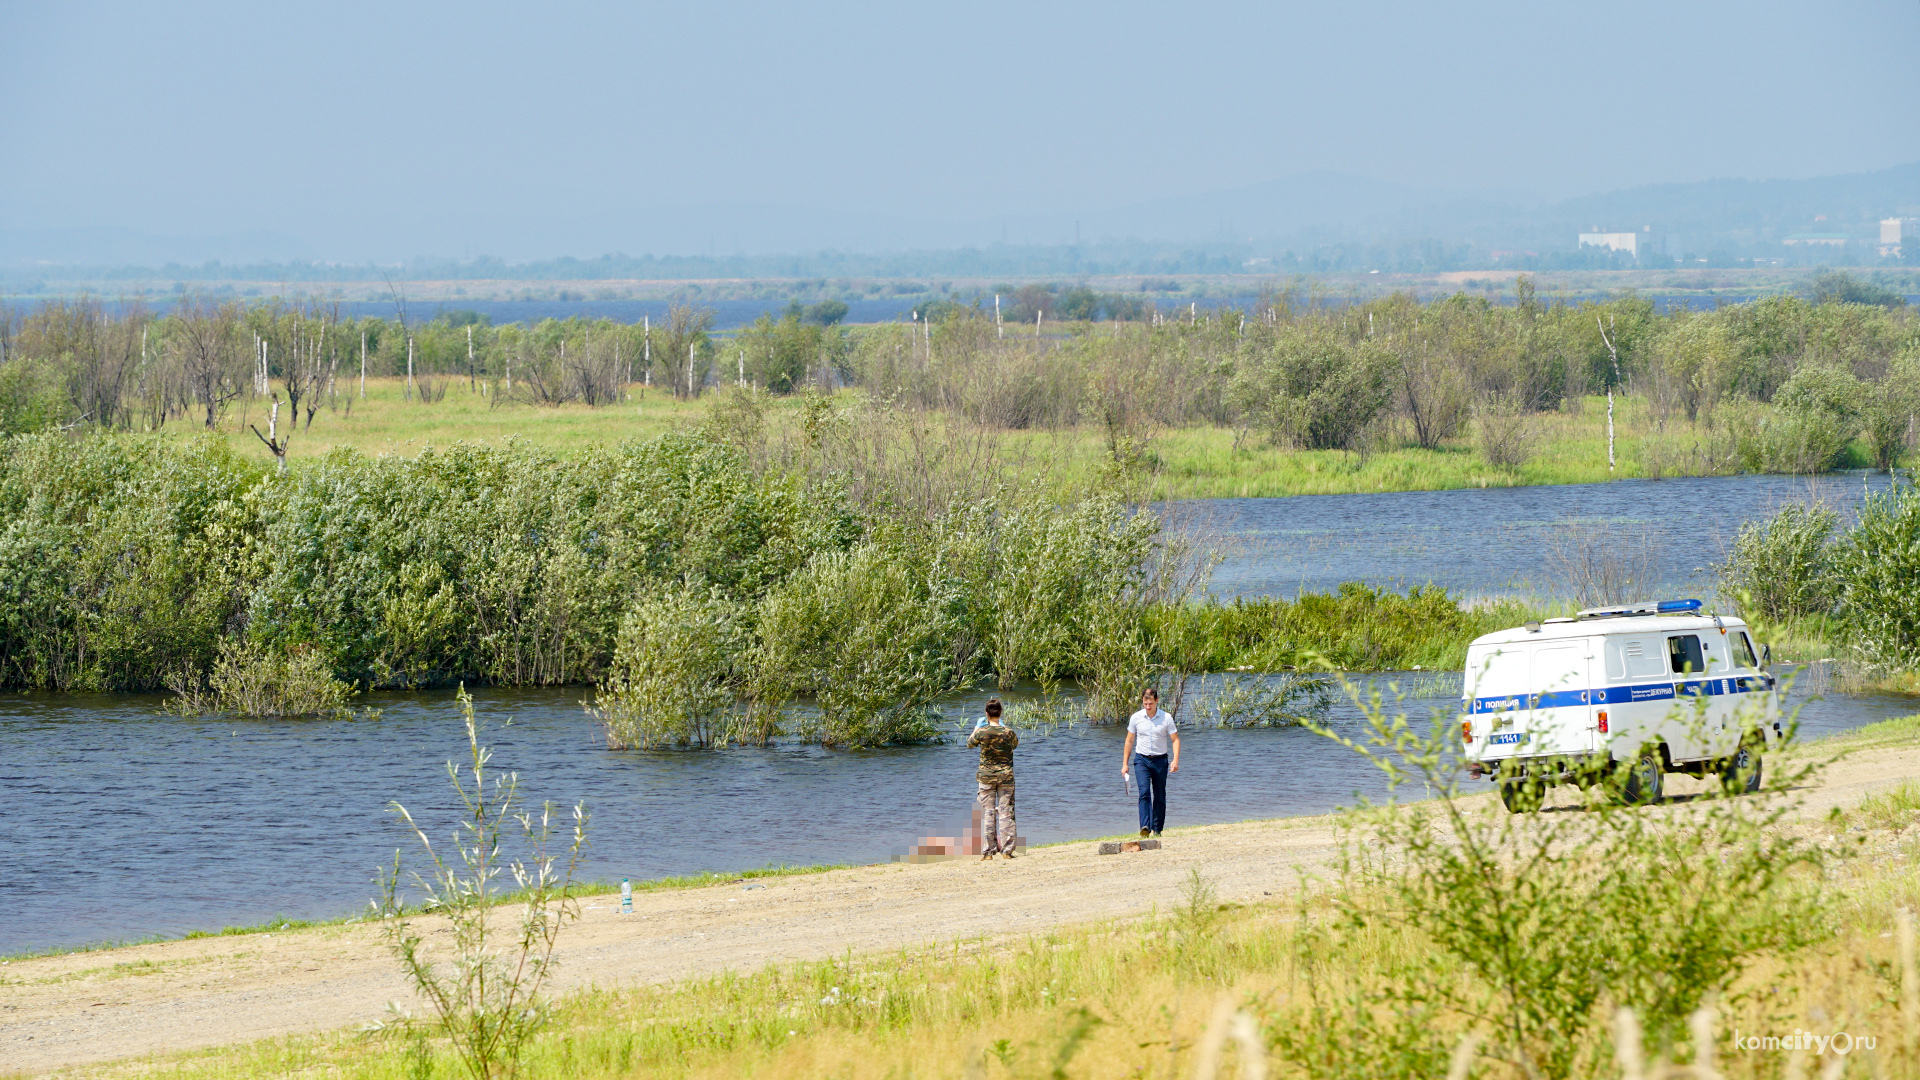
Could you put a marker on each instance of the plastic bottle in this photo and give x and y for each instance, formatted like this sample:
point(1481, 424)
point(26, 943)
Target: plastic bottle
point(626, 896)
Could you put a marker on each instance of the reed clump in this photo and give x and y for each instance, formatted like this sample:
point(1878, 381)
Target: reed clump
point(1848, 592)
point(246, 680)
point(1358, 627)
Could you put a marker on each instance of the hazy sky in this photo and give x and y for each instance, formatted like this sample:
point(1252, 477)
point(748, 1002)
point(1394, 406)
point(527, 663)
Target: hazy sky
point(392, 129)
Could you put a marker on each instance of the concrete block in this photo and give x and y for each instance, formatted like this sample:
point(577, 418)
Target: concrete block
point(1116, 847)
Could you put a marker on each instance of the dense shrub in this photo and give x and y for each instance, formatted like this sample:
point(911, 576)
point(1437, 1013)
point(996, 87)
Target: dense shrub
point(675, 678)
point(1314, 389)
point(1876, 567)
point(248, 680)
point(123, 561)
point(1779, 569)
point(871, 636)
point(127, 563)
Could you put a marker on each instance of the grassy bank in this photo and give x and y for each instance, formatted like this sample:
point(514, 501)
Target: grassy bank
point(1196, 461)
point(1146, 997)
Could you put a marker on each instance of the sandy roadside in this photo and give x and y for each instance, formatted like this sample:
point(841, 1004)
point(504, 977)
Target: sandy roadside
point(98, 1006)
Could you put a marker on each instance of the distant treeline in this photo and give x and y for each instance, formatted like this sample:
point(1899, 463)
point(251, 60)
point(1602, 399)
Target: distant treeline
point(1783, 384)
point(1410, 255)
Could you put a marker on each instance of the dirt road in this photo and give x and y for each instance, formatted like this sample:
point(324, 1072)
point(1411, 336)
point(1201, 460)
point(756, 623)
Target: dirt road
point(98, 1006)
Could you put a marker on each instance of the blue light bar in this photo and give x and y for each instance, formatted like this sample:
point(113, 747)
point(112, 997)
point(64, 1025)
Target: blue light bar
point(1675, 607)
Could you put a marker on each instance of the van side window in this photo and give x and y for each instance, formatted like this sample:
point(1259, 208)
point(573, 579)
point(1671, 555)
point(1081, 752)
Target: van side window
point(1684, 654)
point(1743, 651)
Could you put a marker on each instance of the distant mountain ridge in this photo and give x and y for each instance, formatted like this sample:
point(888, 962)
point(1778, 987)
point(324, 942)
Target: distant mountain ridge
point(1295, 215)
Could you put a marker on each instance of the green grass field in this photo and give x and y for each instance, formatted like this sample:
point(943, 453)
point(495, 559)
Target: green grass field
point(1176, 463)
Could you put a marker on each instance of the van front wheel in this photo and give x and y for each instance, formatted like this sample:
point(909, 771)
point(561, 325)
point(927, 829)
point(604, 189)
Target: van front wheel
point(1645, 781)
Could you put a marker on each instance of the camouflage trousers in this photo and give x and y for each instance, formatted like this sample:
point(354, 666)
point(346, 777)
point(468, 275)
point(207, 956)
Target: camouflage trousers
point(993, 814)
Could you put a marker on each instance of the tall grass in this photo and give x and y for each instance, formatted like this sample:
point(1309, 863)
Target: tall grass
point(1849, 593)
point(1356, 628)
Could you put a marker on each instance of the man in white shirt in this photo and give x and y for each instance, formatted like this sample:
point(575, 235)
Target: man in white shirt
point(1152, 752)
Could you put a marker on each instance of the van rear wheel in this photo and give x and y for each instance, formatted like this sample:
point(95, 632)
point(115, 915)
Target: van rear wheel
point(1740, 775)
point(1645, 781)
point(1521, 795)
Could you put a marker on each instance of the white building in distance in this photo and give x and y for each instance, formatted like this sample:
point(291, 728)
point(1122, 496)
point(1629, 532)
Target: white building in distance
point(1890, 236)
point(1612, 241)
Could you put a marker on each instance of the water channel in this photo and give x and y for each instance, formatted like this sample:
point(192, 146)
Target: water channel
point(118, 822)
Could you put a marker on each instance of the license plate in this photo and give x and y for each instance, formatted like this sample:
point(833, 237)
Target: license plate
point(1508, 738)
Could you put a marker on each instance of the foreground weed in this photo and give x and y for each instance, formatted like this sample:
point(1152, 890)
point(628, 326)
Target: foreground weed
point(1894, 808)
point(487, 1000)
point(1539, 926)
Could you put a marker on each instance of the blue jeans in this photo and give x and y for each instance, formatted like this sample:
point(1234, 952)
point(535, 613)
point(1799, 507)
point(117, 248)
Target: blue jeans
point(1150, 780)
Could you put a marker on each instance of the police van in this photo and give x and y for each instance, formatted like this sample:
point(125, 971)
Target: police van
point(1635, 691)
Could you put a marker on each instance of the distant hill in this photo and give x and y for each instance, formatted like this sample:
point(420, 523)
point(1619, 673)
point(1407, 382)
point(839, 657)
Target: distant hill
point(1305, 223)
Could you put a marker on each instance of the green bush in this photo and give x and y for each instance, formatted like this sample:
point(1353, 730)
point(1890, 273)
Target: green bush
point(1780, 568)
point(33, 396)
point(676, 674)
point(1049, 578)
point(1314, 389)
point(1814, 416)
point(248, 680)
point(1876, 567)
point(1890, 411)
point(870, 636)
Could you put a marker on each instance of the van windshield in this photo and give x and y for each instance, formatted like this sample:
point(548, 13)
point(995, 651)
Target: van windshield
point(1684, 654)
point(1743, 651)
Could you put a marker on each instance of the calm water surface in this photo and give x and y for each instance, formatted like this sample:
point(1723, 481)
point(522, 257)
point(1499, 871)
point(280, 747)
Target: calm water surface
point(118, 822)
point(1498, 541)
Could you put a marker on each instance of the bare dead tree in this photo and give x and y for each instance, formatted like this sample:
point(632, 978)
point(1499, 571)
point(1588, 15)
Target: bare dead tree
point(204, 336)
point(272, 438)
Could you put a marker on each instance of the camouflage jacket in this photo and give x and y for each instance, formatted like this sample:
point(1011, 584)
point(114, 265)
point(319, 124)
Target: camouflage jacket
point(996, 752)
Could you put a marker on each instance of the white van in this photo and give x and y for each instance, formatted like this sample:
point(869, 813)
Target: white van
point(1659, 686)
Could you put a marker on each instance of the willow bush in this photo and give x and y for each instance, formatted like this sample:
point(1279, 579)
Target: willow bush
point(703, 590)
point(675, 676)
point(1860, 583)
point(1876, 566)
point(1780, 568)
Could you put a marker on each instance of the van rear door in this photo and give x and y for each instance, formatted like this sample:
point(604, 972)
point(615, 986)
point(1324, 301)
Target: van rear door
point(1562, 720)
point(1499, 699)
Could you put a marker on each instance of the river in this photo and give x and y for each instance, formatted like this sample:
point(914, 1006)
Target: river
point(119, 822)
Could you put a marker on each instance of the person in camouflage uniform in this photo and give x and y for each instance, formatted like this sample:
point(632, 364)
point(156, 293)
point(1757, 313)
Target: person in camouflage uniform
point(993, 806)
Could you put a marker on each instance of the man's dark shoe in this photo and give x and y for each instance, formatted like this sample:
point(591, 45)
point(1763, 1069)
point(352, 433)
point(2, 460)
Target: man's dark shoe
point(1144, 831)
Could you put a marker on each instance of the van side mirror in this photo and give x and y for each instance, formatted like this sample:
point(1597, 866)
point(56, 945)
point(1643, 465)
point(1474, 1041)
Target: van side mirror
point(1766, 655)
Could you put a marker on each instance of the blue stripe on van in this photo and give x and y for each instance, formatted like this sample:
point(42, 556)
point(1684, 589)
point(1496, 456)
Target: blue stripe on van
point(1622, 695)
